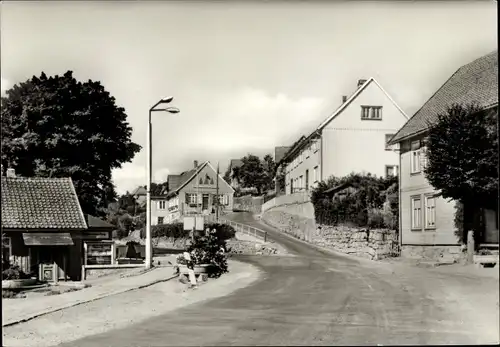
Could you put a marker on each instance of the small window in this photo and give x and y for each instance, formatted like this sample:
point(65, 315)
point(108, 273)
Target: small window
point(416, 160)
point(430, 212)
point(161, 204)
point(371, 112)
point(416, 215)
point(160, 220)
point(390, 170)
point(316, 174)
point(388, 137)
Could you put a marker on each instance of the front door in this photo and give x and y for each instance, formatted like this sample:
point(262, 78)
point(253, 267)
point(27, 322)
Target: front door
point(53, 261)
point(204, 205)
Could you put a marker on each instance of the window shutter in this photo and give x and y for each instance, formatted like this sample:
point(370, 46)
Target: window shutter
point(226, 200)
point(186, 198)
point(198, 198)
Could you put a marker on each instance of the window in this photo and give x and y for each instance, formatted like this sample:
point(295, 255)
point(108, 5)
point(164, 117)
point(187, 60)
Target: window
point(416, 212)
point(225, 200)
point(160, 220)
point(415, 157)
point(301, 182)
point(423, 158)
point(388, 137)
point(6, 249)
point(316, 174)
point(161, 204)
point(430, 212)
point(371, 112)
point(191, 198)
point(390, 170)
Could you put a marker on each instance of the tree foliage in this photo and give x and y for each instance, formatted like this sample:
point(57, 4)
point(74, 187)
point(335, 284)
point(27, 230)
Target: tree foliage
point(462, 153)
point(362, 206)
point(256, 173)
point(59, 127)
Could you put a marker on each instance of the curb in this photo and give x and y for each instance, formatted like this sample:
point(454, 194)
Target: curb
point(36, 315)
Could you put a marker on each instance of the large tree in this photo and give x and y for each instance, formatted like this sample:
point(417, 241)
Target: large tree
point(462, 155)
point(270, 171)
point(59, 127)
point(253, 173)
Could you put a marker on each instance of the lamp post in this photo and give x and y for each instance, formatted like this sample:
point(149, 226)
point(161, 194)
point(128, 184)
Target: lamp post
point(167, 100)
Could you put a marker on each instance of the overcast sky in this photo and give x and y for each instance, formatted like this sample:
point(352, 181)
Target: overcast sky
point(247, 76)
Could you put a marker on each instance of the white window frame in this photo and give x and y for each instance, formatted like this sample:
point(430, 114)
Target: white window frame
point(162, 204)
point(430, 212)
point(316, 174)
point(415, 158)
point(160, 220)
point(191, 199)
point(416, 223)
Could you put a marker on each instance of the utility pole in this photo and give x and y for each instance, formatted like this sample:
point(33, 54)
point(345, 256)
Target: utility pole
point(217, 195)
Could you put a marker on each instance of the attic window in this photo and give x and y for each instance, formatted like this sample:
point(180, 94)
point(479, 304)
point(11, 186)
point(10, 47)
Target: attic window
point(371, 112)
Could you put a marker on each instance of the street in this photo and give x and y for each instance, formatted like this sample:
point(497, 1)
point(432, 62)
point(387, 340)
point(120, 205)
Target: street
point(317, 298)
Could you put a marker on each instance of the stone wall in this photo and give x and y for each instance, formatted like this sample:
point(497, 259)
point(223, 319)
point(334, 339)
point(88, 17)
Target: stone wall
point(248, 203)
point(372, 244)
point(435, 253)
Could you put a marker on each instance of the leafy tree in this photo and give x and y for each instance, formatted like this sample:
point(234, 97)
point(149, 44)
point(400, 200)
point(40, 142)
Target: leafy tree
point(462, 153)
point(280, 180)
point(270, 170)
point(227, 176)
point(253, 173)
point(60, 127)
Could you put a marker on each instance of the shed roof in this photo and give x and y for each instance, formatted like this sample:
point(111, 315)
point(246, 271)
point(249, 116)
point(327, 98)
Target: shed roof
point(476, 82)
point(40, 203)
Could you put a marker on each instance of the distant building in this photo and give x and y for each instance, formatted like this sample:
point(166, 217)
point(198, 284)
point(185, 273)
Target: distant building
point(234, 165)
point(192, 192)
point(139, 195)
point(427, 220)
point(353, 139)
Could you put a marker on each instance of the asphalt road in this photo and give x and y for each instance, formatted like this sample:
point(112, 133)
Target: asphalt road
point(313, 298)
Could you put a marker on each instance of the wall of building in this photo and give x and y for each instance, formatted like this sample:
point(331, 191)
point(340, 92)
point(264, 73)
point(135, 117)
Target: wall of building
point(311, 158)
point(158, 211)
point(351, 144)
point(417, 185)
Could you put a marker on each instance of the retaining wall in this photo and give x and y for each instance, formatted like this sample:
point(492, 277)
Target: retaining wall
point(248, 203)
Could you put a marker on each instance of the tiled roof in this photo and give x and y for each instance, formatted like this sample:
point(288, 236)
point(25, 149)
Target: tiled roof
point(475, 82)
point(40, 203)
point(139, 191)
point(179, 180)
point(279, 153)
point(173, 182)
point(94, 222)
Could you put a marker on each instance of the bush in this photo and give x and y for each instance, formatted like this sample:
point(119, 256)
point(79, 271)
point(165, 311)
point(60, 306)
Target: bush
point(14, 272)
point(361, 206)
point(176, 231)
point(210, 249)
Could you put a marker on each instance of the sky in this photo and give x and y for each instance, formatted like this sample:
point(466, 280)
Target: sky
point(246, 75)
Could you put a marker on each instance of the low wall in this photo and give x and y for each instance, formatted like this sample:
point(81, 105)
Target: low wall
point(248, 203)
point(372, 244)
point(435, 253)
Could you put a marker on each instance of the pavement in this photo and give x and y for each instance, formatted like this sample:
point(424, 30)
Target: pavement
point(319, 297)
point(15, 311)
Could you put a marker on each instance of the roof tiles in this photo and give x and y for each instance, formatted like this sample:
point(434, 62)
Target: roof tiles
point(40, 203)
point(475, 82)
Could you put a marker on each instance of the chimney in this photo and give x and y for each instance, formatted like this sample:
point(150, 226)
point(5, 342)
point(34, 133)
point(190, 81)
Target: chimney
point(361, 82)
point(195, 164)
point(11, 172)
point(344, 98)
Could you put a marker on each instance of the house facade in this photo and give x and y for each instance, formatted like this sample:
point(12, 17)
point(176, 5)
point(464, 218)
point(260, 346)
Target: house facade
point(427, 227)
point(234, 164)
point(192, 192)
point(44, 229)
point(353, 139)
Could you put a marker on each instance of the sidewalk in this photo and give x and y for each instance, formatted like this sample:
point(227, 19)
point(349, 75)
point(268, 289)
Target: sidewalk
point(19, 310)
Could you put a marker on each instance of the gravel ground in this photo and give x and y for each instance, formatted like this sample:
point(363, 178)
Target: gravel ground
point(121, 310)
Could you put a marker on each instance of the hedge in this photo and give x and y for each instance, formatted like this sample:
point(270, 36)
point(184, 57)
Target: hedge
point(176, 231)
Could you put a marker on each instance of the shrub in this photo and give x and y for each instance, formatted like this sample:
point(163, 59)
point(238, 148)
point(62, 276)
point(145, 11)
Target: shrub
point(210, 249)
point(14, 272)
point(176, 231)
point(361, 206)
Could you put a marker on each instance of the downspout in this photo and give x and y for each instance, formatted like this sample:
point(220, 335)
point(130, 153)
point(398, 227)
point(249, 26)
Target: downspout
point(400, 218)
point(320, 155)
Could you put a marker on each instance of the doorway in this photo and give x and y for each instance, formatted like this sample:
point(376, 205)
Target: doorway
point(204, 203)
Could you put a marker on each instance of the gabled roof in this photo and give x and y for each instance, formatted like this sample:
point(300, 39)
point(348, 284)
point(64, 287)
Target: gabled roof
point(280, 152)
point(94, 222)
point(476, 82)
point(139, 191)
point(40, 203)
point(187, 176)
point(354, 96)
point(292, 148)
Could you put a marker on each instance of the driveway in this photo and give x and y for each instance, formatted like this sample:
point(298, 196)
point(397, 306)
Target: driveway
point(319, 298)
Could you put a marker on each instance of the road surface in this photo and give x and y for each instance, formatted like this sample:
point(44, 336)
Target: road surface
point(314, 298)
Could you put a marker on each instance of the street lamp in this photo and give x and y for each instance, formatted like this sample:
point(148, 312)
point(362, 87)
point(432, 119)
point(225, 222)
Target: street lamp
point(166, 100)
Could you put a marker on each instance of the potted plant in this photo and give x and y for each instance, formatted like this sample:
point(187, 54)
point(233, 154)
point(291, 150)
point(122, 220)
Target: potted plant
point(13, 277)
